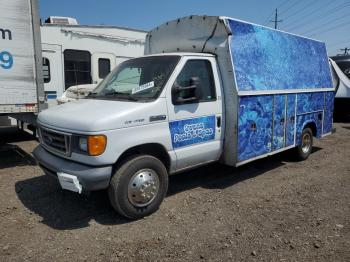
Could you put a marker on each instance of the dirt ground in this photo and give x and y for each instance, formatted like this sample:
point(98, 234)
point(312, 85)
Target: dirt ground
point(274, 209)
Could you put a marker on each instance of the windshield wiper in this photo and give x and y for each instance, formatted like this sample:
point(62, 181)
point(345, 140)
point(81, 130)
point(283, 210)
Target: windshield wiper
point(92, 94)
point(125, 95)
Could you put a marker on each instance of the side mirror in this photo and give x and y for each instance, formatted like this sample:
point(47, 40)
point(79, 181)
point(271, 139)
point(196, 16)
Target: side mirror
point(186, 95)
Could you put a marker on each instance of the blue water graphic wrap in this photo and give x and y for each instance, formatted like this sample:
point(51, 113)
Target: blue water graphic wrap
point(328, 112)
point(290, 125)
point(265, 59)
point(192, 131)
point(310, 102)
point(278, 122)
point(254, 126)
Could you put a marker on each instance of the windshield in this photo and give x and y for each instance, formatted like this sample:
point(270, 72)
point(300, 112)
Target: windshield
point(137, 79)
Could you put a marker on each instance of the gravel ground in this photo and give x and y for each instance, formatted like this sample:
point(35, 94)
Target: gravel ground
point(274, 209)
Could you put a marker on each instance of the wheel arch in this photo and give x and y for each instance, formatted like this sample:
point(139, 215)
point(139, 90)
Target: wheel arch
point(153, 149)
point(312, 125)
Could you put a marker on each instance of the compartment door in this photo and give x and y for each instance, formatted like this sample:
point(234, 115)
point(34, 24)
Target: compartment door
point(290, 120)
point(328, 113)
point(254, 126)
point(279, 126)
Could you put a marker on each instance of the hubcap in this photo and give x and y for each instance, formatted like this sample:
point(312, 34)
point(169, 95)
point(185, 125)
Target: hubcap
point(143, 187)
point(306, 143)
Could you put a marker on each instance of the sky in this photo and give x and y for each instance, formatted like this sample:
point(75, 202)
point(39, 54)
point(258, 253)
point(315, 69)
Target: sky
point(325, 20)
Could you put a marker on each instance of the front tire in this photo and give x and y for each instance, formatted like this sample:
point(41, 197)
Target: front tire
point(305, 147)
point(138, 187)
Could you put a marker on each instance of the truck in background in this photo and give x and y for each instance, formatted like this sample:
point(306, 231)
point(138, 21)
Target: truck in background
point(341, 68)
point(209, 89)
point(21, 81)
point(80, 56)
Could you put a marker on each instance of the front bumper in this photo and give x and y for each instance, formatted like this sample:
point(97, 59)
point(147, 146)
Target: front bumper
point(91, 178)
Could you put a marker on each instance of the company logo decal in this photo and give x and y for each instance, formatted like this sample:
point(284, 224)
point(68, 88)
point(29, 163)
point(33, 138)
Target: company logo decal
point(192, 131)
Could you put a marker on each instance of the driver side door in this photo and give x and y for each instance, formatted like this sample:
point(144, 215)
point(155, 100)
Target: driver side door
point(195, 124)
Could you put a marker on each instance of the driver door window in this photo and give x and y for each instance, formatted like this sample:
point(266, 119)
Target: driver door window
point(201, 70)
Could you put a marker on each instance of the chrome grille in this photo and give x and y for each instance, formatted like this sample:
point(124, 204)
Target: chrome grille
point(55, 141)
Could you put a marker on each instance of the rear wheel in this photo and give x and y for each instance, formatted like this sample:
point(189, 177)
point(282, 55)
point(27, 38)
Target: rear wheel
point(305, 147)
point(138, 187)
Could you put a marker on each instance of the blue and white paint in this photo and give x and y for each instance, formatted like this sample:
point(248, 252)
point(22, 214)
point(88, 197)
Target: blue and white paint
point(192, 131)
point(266, 59)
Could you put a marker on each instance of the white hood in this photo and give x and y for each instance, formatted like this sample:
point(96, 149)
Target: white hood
point(92, 115)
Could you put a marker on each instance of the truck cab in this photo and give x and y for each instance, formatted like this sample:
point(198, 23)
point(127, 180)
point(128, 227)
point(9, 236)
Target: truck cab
point(129, 113)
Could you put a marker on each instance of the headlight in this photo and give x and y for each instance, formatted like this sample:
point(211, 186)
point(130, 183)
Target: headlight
point(83, 144)
point(93, 145)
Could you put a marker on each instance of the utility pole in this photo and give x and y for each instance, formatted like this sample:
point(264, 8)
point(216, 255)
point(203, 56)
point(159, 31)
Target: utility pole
point(346, 49)
point(276, 21)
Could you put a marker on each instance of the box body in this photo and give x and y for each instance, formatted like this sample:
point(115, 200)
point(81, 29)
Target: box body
point(274, 83)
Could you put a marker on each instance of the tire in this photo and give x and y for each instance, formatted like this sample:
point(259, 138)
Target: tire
point(132, 190)
point(305, 147)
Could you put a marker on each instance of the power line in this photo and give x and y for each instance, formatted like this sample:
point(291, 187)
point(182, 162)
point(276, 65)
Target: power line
point(322, 15)
point(290, 7)
point(318, 27)
point(307, 16)
point(331, 28)
point(301, 10)
point(267, 20)
point(339, 42)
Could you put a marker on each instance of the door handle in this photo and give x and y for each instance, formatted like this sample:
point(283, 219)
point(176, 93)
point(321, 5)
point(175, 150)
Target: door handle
point(218, 121)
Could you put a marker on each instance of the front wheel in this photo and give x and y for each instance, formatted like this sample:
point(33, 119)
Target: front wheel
point(138, 187)
point(305, 147)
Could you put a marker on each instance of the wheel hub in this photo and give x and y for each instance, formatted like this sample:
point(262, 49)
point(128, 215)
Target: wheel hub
point(143, 187)
point(306, 143)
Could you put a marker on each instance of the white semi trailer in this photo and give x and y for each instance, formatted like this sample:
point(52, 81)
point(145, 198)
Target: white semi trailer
point(21, 81)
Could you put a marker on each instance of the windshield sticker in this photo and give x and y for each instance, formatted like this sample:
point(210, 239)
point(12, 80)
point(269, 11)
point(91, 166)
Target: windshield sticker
point(142, 87)
point(192, 131)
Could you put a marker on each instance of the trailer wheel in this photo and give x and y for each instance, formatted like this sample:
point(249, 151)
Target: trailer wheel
point(305, 147)
point(138, 187)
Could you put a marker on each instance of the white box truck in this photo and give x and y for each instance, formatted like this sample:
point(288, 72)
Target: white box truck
point(208, 89)
point(21, 84)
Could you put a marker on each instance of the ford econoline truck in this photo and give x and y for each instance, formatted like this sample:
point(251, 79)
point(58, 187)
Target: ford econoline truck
point(208, 89)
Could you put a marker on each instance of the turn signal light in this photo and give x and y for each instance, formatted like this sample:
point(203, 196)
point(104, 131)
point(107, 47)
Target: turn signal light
point(96, 145)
